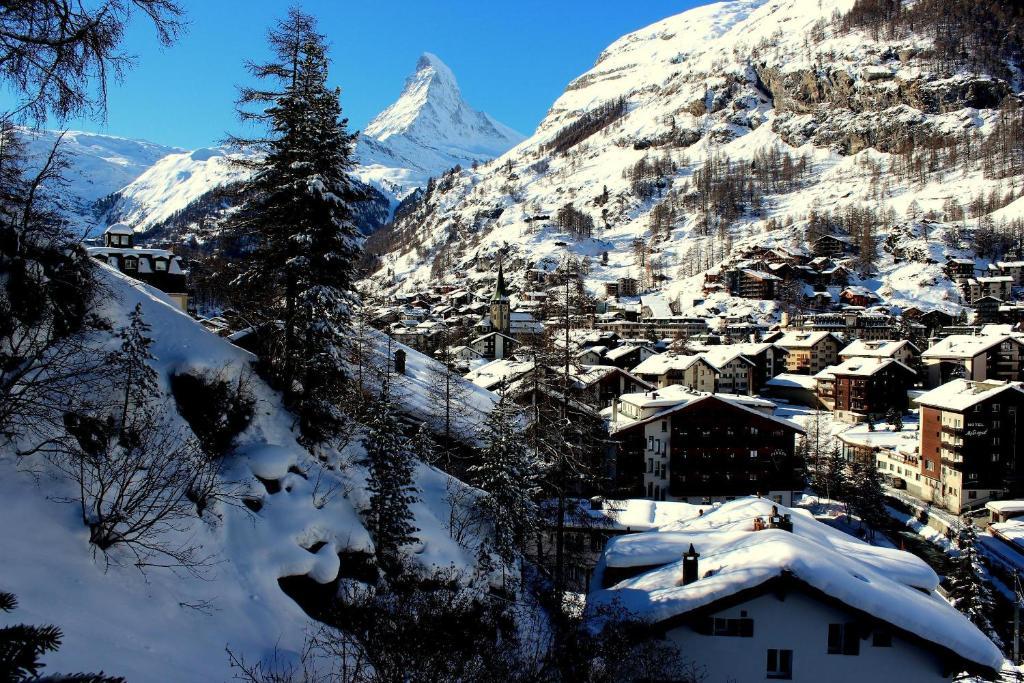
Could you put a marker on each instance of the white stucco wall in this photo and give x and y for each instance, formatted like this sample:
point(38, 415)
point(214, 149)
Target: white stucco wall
point(800, 623)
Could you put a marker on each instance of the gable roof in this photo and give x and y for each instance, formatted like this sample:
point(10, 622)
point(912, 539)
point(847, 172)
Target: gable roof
point(882, 348)
point(684, 399)
point(964, 345)
point(961, 394)
point(885, 584)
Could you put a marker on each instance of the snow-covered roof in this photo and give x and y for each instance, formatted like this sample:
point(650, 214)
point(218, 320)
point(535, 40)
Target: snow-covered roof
point(791, 381)
point(631, 514)
point(664, 362)
point(119, 229)
point(802, 340)
point(721, 356)
point(497, 371)
point(657, 304)
point(887, 584)
point(961, 394)
point(864, 367)
point(621, 351)
point(656, 404)
point(882, 348)
point(1005, 506)
point(963, 346)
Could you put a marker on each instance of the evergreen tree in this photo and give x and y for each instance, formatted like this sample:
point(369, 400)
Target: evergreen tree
point(390, 483)
point(969, 592)
point(133, 357)
point(832, 479)
point(508, 473)
point(22, 646)
point(297, 222)
point(867, 494)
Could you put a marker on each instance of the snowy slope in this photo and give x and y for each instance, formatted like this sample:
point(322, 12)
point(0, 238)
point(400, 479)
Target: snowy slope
point(172, 626)
point(732, 79)
point(98, 166)
point(428, 130)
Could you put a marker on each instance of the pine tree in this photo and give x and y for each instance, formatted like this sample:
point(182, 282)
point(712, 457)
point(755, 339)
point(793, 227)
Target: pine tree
point(832, 480)
point(133, 357)
point(22, 646)
point(969, 592)
point(390, 483)
point(867, 494)
point(297, 219)
point(508, 473)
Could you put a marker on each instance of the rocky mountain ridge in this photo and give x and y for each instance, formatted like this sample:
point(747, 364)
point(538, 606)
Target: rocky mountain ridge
point(732, 124)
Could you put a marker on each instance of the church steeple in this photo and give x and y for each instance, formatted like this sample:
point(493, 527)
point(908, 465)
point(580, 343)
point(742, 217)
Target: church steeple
point(500, 307)
point(500, 293)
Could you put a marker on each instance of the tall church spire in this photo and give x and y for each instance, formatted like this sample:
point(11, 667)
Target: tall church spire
point(500, 293)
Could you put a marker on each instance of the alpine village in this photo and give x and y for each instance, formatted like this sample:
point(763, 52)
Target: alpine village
point(717, 376)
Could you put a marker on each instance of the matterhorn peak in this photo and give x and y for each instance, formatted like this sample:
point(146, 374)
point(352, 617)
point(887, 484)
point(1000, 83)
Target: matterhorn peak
point(430, 128)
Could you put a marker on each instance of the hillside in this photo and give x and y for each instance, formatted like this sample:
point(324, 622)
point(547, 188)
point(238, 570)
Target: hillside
point(753, 122)
point(97, 166)
point(302, 518)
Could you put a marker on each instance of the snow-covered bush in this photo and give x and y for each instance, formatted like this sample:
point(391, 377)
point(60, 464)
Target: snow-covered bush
point(216, 408)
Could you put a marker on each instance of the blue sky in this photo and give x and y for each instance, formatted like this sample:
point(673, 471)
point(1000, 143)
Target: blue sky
point(512, 59)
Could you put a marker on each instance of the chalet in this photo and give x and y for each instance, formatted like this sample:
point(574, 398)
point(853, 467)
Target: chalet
point(859, 296)
point(628, 355)
point(768, 359)
point(865, 388)
point(669, 369)
point(999, 286)
point(810, 352)
point(156, 267)
point(592, 355)
point(959, 269)
point(934, 320)
point(1012, 269)
point(735, 371)
point(831, 246)
point(751, 591)
point(753, 284)
point(974, 357)
point(683, 445)
point(494, 345)
point(902, 350)
point(986, 309)
point(970, 448)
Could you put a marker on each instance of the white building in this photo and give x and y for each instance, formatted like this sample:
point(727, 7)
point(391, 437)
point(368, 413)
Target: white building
point(789, 598)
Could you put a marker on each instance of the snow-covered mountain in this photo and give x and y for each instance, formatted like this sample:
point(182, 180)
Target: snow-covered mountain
point(98, 166)
point(427, 131)
point(754, 87)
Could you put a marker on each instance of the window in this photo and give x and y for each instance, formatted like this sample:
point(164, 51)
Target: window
point(881, 639)
point(843, 639)
point(664, 425)
point(131, 263)
point(650, 464)
point(753, 453)
point(780, 664)
point(160, 264)
point(740, 628)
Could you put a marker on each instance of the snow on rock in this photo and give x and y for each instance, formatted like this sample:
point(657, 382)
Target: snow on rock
point(172, 626)
point(712, 82)
point(99, 165)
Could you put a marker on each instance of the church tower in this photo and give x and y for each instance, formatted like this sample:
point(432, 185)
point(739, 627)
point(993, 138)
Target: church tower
point(500, 307)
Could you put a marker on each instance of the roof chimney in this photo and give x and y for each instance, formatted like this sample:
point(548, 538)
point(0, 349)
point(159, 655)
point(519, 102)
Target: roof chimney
point(690, 565)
